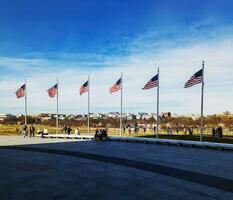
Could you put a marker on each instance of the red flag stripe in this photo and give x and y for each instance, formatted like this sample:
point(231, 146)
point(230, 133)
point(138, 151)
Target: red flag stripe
point(52, 92)
point(21, 91)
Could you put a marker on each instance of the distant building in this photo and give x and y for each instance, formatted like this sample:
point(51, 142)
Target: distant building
point(113, 115)
point(43, 116)
point(3, 117)
point(166, 114)
point(97, 116)
point(47, 116)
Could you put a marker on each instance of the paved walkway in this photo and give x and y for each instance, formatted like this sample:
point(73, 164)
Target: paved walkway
point(62, 169)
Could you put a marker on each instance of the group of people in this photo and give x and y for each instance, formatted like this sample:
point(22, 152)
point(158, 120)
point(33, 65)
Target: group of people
point(189, 130)
point(178, 129)
point(217, 131)
point(42, 132)
point(135, 129)
point(100, 134)
point(31, 131)
point(68, 130)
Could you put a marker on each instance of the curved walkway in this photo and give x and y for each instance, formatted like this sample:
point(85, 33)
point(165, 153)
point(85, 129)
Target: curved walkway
point(200, 178)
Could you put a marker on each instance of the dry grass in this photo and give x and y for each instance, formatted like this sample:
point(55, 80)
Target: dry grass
point(228, 136)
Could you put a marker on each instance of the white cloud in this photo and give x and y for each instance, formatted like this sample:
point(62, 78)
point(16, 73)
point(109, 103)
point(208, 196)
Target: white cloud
point(176, 66)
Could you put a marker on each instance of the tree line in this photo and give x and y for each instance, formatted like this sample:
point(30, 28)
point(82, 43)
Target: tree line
point(210, 121)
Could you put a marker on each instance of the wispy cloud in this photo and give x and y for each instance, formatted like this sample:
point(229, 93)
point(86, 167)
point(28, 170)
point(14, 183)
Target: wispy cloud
point(177, 63)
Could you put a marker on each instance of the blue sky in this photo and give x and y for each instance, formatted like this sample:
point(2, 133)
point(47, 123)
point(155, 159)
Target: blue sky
point(71, 39)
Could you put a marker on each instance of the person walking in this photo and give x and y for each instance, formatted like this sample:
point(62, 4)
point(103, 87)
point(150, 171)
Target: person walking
point(190, 131)
point(154, 129)
point(135, 129)
point(24, 130)
point(214, 131)
point(77, 132)
point(32, 131)
point(64, 129)
point(144, 129)
point(124, 129)
point(219, 131)
point(69, 130)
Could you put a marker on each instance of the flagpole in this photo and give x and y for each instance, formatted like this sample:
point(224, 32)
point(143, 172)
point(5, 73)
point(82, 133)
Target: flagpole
point(25, 96)
point(88, 117)
point(202, 99)
point(121, 103)
point(57, 108)
point(157, 128)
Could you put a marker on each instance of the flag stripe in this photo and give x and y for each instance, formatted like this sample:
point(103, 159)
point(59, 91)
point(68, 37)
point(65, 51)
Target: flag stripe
point(84, 88)
point(195, 79)
point(21, 91)
point(115, 87)
point(152, 83)
point(52, 92)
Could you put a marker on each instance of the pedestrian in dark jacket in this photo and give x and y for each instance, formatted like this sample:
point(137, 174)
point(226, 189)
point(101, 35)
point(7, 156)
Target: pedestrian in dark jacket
point(144, 129)
point(104, 134)
point(69, 130)
point(32, 131)
point(190, 131)
point(154, 129)
point(219, 131)
point(213, 131)
point(64, 129)
point(124, 129)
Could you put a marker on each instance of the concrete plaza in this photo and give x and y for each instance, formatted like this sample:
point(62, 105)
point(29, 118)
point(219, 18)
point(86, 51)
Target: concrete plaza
point(36, 168)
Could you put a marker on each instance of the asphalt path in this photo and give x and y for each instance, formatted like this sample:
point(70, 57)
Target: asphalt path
point(110, 170)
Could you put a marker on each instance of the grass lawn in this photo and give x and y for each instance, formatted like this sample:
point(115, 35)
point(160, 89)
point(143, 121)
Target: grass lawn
point(228, 137)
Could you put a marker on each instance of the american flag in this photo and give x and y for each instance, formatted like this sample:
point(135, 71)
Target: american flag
point(152, 83)
point(84, 88)
point(21, 91)
point(52, 92)
point(116, 87)
point(195, 79)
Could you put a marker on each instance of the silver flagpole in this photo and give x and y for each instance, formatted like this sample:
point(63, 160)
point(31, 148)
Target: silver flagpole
point(121, 103)
point(88, 117)
point(57, 108)
point(202, 99)
point(157, 128)
point(25, 96)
